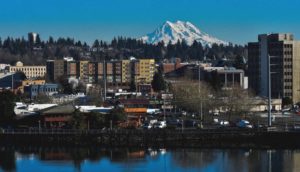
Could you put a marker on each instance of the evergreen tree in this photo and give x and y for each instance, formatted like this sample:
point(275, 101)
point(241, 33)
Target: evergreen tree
point(215, 81)
point(239, 62)
point(116, 115)
point(78, 121)
point(286, 101)
point(51, 40)
point(132, 86)
point(78, 44)
point(38, 40)
point(158, 83)
point(7, 103)
point(96, 43)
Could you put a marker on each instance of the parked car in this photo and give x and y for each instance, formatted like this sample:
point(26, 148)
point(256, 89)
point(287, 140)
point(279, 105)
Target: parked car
point(160, 124)
point(244, 124)
point(147, 126)
point(224, 123)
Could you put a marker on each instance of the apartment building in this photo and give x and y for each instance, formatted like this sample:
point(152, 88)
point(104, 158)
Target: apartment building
point(117, 72)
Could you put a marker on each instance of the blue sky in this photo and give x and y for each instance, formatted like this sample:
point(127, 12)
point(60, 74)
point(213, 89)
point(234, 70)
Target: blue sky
point(237, 21)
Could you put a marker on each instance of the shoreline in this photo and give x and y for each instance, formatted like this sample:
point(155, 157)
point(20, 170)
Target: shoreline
point(157, 138)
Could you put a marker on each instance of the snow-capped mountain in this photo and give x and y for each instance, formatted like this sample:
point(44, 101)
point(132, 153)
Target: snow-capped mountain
point(180, 31)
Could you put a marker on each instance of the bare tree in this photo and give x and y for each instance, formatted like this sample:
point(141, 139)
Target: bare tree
point(235, 101)
point(189, 95)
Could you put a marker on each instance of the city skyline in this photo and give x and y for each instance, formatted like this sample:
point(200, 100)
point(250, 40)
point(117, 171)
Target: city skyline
point(235, 21)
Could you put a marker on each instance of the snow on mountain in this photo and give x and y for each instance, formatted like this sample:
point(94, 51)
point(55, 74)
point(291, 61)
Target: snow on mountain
point(180, 31)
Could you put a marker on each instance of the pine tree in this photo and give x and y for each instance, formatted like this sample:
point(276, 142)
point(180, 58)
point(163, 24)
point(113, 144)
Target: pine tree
point(239, 62)
point(132, 86)
point(38, 40)
point(158, 83)
point(51, 41)
point(96, 43)
point(7, 99)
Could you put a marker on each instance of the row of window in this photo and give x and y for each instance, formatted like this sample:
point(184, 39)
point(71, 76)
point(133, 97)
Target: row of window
point(288, 53)
point(288, 59)
point(28, 69)
point(288, 73)
point(288, 94)
point(43, 90)
point(288, 87)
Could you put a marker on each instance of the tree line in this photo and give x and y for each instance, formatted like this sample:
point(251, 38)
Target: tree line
point(33, 53)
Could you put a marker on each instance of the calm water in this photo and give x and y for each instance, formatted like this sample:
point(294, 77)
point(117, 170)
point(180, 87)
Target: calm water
point(144, 160)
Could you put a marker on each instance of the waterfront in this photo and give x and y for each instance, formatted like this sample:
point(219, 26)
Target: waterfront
point(30, 159)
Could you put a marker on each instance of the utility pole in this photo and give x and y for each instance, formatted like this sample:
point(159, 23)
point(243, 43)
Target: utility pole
point(164, 110)
point(12, 82)
point(104, 78)
point(199, 78)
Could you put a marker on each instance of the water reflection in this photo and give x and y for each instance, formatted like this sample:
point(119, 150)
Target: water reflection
point(117, 159)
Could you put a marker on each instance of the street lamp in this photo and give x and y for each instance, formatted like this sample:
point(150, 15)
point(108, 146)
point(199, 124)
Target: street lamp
point(269, 88)
point(269, 93)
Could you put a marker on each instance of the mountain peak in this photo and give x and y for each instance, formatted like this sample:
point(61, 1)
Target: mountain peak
point(182, 31)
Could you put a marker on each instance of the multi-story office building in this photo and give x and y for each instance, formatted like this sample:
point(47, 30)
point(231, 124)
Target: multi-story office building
point(284, 54)
point(55, 69)
point(29, 71)
point(66, 67)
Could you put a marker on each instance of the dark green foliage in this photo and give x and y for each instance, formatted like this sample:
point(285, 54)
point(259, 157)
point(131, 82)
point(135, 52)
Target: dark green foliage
point(286, 101)
point(78, 120)
point(21, 75)
point(51, 40)
point(132, 86)
point(215, 81)
point(239, 62)
point(96, 120)
point(66, 87)
point(158, 82)
point(115, 116)
point(12, 50)
point(96, 43)
point(7, 103)
point(38, 40)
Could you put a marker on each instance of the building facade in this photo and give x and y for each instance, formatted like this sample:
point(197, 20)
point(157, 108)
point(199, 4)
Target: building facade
point(31, 82)
point(228, 77)
point(282, 52)
point(34, 90)
point(117, 72)
point(64, 67)
point(29, 71)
